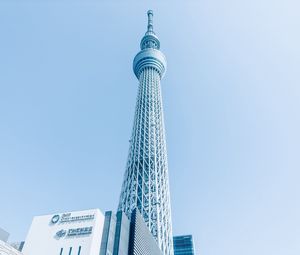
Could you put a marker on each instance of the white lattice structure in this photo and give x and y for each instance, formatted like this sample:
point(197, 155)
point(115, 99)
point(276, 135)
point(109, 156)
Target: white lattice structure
point(146, 183)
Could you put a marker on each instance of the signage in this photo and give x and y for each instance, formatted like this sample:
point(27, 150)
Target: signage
point(68, 218)
point(79, 232)
point(60, 233)
point(55, 219)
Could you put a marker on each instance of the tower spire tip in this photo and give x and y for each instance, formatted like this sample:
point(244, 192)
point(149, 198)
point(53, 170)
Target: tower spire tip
point(150, 20)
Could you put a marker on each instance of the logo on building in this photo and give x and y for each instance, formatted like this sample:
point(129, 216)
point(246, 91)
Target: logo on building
point(78, 232)
point(55, 219)
point(69, 218)
point(60, 233)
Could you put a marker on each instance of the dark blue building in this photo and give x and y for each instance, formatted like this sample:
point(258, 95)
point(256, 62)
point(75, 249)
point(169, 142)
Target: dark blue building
point(183, 245)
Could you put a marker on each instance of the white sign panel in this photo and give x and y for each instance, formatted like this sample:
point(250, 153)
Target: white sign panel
point(71, 233)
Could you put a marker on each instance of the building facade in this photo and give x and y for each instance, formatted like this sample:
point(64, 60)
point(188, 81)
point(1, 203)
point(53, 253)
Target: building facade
point(70, 233)
point(115, 238)
point(6, 249)
point(124, 237)
point(18, 245)
point(184, 245)
point(142, 241)
point(146, 181)
point(3, 235)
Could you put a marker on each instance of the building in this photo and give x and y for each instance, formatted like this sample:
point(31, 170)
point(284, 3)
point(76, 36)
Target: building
point(142, 241)
point(18, 245)
point(146, 182)
point(124, 237)
point(115, 238)
point(3, 235)
point(71, 233)
point(184, 245)
point(6, 249)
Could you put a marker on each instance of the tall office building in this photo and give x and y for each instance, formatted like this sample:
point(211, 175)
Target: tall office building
point(184, 245)
point(146, 183)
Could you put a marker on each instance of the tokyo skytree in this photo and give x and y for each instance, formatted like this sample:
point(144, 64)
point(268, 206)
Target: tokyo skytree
point(146, 181)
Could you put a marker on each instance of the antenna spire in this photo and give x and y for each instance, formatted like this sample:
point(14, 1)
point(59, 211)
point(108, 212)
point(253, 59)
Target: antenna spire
point(150, 39)
point(150, 21)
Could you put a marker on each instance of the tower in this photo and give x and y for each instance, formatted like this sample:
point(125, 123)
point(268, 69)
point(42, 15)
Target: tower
point(146, 183)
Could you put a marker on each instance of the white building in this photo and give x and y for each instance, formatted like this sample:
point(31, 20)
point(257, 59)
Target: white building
point(6, 249)
point(71, 233)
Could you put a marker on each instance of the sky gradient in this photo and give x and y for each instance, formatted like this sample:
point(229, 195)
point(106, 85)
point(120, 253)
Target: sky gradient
point(231, 103)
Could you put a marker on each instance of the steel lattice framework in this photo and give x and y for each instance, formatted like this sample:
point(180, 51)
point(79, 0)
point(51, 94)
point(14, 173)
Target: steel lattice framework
point(146, 183)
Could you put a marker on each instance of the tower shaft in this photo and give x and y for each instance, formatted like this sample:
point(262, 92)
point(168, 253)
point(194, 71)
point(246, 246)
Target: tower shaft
point(146, 184)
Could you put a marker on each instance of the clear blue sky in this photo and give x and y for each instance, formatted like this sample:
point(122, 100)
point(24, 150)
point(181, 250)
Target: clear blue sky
point(231, 98)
